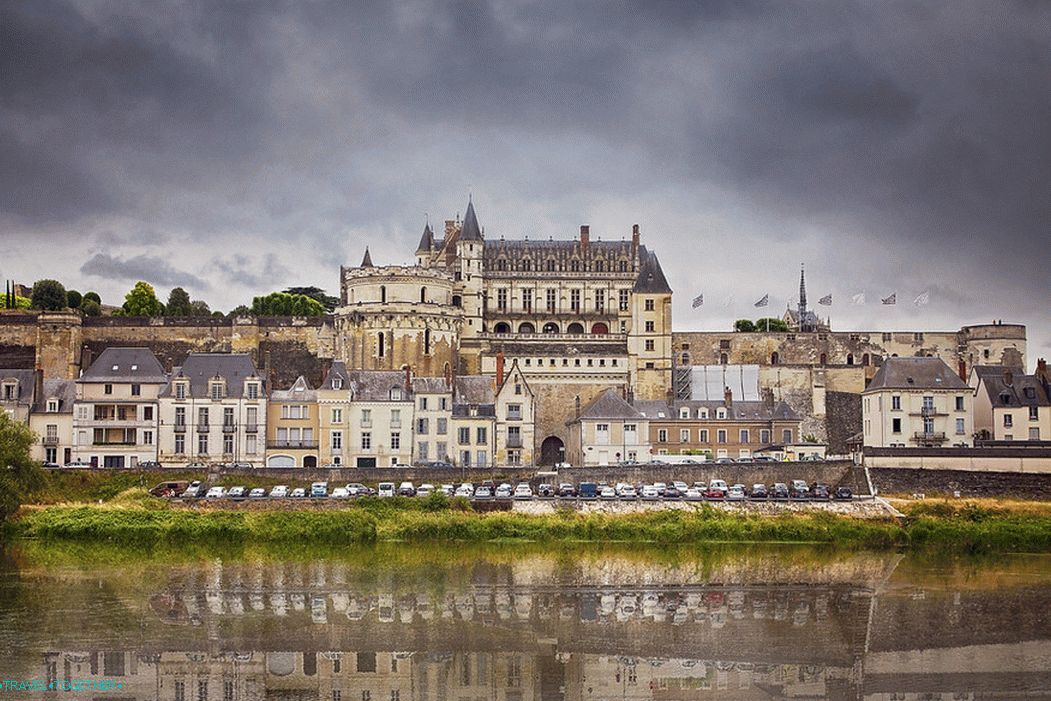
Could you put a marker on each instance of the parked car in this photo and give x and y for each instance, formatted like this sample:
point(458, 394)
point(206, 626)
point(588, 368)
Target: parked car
point(724, 460)
point(298, 493)
point(523, 491)
point(715, 493)
point(465, 490)
point(193, 490)
point(236, 493)
point(438, 465)
point(703, 486)
point(385, 489)
point(661, 487)
point(241, 465)
point(77, 463)
point(718, 485)
point(745, 461)
point(197, 465)
point(764, 458)
point(680, 485)
point(149, 465)
point(319, 489)
point(567, 490)
point(759, 491)
point(587, 490)
point(812, 458)
point(406, 489)
point(340, 493)
point(215, 493)
point(357, 489)
point(257, 493)
point(779, 491)
point(693, 494)
point(628, 492)
point(424, 490)
point(671, 492)
point(821, 491)
point(279, 492)
point(483, 492)
point(607, 492)
point(735, 493)
point(448, 490)
point(650, 493)
point(844, 493)
point(799, 490)
point(504, 491)
point(546, 490)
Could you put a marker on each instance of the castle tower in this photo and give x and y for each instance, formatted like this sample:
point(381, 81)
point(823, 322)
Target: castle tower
point(804, 318)
point(469, 273)
point(649, 338)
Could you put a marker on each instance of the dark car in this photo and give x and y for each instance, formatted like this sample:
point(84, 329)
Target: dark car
point(844, 493)
point(671, 492)
point(438, 465)
point(149, 464)
point(588, 490)
point(820, 492)
point(759, 492)
point(779, 491)
point(567, 490)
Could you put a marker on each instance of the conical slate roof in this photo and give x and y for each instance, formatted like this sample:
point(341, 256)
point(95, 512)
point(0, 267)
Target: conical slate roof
point(366, 262)
point(470, 231)
point(427, 240)
point(651, 278)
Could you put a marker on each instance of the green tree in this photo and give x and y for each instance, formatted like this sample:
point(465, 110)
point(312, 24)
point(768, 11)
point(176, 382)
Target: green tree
point(241, 310)
point(284, 304)
point(744, 325)
point(199, 307)
point(49, 295)
point(19, 302)
point(73, 299)
point(772, 324)
point(90, 307)
point(19, 474)
point(142, 301)
point(94, 296)
point(178, 303)
point(316, 293)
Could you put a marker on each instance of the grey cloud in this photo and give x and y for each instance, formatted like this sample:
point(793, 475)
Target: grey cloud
point(265, 275)
point(152, 269)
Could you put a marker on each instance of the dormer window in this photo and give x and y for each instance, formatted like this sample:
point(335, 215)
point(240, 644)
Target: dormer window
point(180, 390)
point(720, 413)
point(1005, 398)
point(252, 390)
point(395, 394)
point(702, 413)
point(52, 406)
point(216, 390)
point(10, 391)
point(684, 413)
point(337, 383)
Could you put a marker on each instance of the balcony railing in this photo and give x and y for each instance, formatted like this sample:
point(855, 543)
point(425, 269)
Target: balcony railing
point(251, 428)
point(929, 436)
point(50, 440)
point(514, 441)
point(928, 411)
point(229, 428)
point(113, 443)
point(291, 444)
point(203, 428)
point(180, 428)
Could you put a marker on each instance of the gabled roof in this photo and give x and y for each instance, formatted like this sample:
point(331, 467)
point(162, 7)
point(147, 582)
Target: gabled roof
point(65, 391)
point(430, 385)
point(470, 231)
point(427, 240)
point(137, 365)
point(200, 368)
point(915, 373)
point(474, 389)
point(300, 390)
point(366, 262)
point(376, 385)
point(651, 278)
point(609, 405)
point(1024, 390)
point(25, 381)
point(515, 371)
point(337, 371)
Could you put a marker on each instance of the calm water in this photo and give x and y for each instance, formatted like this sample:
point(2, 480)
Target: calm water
point(401, 623)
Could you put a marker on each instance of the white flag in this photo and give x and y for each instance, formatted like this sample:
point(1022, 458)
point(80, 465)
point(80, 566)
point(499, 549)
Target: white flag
point(698, 300)
point(924, 298)
point(858, 299)
point(826, 300)
point(893, 299)
point(764, 301)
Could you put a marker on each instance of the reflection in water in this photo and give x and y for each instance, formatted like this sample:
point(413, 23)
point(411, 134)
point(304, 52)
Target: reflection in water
point(535, 627)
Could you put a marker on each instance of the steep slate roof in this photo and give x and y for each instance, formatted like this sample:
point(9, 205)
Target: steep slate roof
point(738, 410)
point(65, 391)
point(474, 389)
point(427, 240)
point(366, 262)
point(915, 373)
point(300, 390)
point(26, 384)
point(609, 405)
point(651, 278)
point(137, 365)
point(430, 385)
point(470, 231)
point(1015, 394)
point(199, 368)
point(375, 385)
point(338, 370)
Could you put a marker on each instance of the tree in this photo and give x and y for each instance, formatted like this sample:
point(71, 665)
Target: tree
point(240, 310)
point(94, 296)
point(199, 307)
point(17, 302)
point(73, 299)
point(49, 295)
point(141, 301)
point(90, 307)
point(744, 325)
point(315, 293)
point(769, 323)
point(178, 303)
point(19, 474)
point(284, 304)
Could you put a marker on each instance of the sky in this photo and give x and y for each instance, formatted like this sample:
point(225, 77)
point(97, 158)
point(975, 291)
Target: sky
point(238, 148)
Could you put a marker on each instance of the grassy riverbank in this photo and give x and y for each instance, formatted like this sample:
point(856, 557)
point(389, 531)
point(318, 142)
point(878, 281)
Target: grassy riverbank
point(134, 517)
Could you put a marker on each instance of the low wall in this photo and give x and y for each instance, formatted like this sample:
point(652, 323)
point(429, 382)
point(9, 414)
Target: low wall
point(969, 483)
point(417, 475)
point(1020, 460)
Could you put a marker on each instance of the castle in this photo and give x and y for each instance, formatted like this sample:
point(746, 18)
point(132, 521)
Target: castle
point(577, 316)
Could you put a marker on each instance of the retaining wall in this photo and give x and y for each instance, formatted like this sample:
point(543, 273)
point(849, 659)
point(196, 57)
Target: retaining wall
point(968, 483)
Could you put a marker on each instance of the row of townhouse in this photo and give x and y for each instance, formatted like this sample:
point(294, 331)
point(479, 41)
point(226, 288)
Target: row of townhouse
point(125, 410)
point(922, 402)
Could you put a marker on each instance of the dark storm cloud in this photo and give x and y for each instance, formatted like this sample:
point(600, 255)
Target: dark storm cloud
point(152, 269)
point(877, 141)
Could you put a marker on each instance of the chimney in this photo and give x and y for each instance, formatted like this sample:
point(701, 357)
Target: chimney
point(1041, 370)
point(728, 396)
point(450, 228)
point(1008, 377)
point(326, 365)
point(38, 385)
point(634, 237)
point(961, 370)
point(408, 380)
point(585, 235)
point(266, 371)
point(448, 375)
point(499, 369)
point(576, 406)
point(630, 398)
point(86, 359)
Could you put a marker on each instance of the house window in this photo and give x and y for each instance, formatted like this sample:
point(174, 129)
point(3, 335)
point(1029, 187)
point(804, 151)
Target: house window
point(662, 435)
point(649, 327)
point(574, 300)
point(786, 435)
point(337, 383)
point(928, 403)
point(337, 416)
point(228, 444)
point(395, 440)
point(202, 444)
point(721, 435)
point(623, 300)
point(518, 388)
point(136, 390)
point(764, 436)
point(895, 403)
point(108, 389)
point(366, 418)
point(250, 442)
point(337, 440)
point(600, 300)
point(1034, 413)
point(147, 413)
point(381, 341)
point(684, 435)
point(422, 426)
point(602, 434)
point(514, 412)
point(649, 305)
point(527, 300)
point(959, 427)
point(202, 417)
point(253, 390)
point(180, 443)
point(217, 391)
point(422, 450)
point(147, 437)
point(895, 425)
point(395, 418)
point(1034, 433)
point(423, 403)
point(1008, 420)
point(514, 457)
point(481, 436)
point(959, 403)
point(744, 435)
point(702, 435)
point(551, 298)
point(501, 299)
point(443, 426)
point(720, 413)
point(649, 344)
point(463, 435)
point(366, 440)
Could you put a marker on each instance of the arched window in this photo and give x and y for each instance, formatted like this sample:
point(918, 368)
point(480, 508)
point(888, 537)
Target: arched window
point(381, 341)
point(526, 327)
point(423, 294)
point(865, 359)
point(502, 327)
point(383, 293)
point(426, 341)
point(775, 358)
point(598, 266)
point(599, 328)
point(575, 327)
point(723, 359)
point(550, 327)
point(850, 358)
point(824, 359)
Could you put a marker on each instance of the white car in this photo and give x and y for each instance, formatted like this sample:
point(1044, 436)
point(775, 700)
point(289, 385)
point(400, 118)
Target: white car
point(236, 493)
point(385, 489)
point(298, 493)
point(523, 491)
point(215, 493)
point(650, 492)
point(465, 490)
point(661, 487)
point(279, 492)
point(735, 493)
point(607, 493)
point(719, 485)
point(447, 489)
point(504, 491)
point(681, 486)
point(628, 492)
point(424, 490)
point(340, 493)
point(693, 494)
point(193, 490)
point(257, 493)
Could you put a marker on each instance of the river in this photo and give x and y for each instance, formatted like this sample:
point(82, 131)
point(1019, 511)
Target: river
point(401, 622)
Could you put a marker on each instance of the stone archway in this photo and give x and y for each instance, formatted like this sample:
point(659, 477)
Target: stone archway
point(526, 327)
point(552, 450)
point(310, 461)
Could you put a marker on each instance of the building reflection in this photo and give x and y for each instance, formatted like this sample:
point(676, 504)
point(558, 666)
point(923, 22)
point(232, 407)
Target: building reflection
point(317, 632)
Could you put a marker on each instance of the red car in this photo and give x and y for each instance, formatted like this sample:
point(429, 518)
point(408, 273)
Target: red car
point(715, 494)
